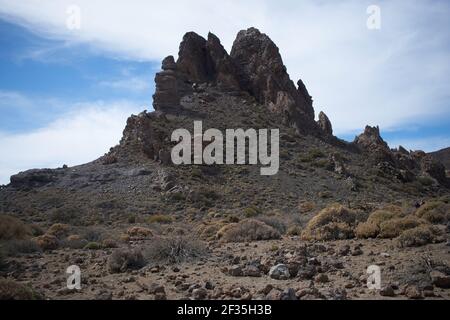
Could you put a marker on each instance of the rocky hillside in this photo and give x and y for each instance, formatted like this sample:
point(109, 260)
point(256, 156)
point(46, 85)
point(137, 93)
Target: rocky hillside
point(326, 189)
point(442, 156)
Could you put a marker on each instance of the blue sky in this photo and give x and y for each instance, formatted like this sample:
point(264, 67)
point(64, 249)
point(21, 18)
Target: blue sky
point(65, 94)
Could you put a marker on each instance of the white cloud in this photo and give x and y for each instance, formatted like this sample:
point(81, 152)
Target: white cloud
point(134, 84)
point(75, 138)
point(390, 77)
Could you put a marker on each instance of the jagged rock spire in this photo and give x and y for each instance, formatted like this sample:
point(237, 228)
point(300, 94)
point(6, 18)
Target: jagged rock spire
point(254, 65)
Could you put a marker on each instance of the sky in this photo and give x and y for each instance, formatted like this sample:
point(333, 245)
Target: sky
point(71, 72)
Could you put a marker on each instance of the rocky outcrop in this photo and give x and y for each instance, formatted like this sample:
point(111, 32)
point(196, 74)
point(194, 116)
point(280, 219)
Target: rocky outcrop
point(255, 66)
point(167, 96)
point(263, 74)
point(35, 178)
point(325, 124)
point(146, 133)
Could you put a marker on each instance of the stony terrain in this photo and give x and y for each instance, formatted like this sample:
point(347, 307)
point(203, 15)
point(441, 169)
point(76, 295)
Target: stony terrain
point(140, 227)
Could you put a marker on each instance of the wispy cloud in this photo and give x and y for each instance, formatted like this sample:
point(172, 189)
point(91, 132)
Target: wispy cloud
point(135, 84)
point(388, 77)
point(74, 138)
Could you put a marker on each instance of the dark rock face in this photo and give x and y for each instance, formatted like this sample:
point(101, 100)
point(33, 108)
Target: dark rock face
point(442, 156)
point(254, 66)
point(263, 74)
point(144, 133)
point(371, 142)
point(433, 168)
point(325, 124)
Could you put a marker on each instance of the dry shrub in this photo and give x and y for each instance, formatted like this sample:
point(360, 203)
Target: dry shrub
point(58, 230)
point(418, 236)
point(12, 228)
point(22, 246)
point(47, 242)
point(394, 227)
point(275, 222)
point(209, 231)
point(122, 260)
point(306, 206)
point(250, 212)
point(12, 290)
point(248, 230)
point(175, 250)
point(160, 218)
point(372, 227)
point(332, 223)
point(139, 232)
point(434, 212)
point(93, 246)
point(109, 243)
point(75, 242)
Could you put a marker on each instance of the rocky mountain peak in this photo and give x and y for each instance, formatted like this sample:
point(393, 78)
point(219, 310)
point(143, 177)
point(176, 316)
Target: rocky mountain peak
point(371, 139)
point(254, 66)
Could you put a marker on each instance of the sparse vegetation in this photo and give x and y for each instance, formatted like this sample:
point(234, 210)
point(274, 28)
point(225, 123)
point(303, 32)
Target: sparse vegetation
point(174, 250)
point(416, 237)
point(332, 223)
point(306, 206)
point(122, 260)
point(294, 231)
point(59, 230)
point(372, 227)
point(248, 230)
point(251, 212)
point(275, 222)
point(395, 227)
point(12, 290)
point(74, 242)
point(22, 246)
point(47, 242)
point(12, 228)
point(139, 232)
point(93, 246)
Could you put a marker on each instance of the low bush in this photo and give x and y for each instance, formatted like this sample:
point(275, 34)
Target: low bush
point(417, 237)
point(93, 246)
point(275, 222)
point(122, 260)
point(47, 242)
point(306, 206)
point(332, 223)
point(139, 232)
point(160, 218)
point(59, 230)
point(248, 230)
point(434, 212)
point(174, 250)
point(251, 212)
point(395, 227)
point(12, 290)
point(294, 231)
point(12, 228)
point(74, 242)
